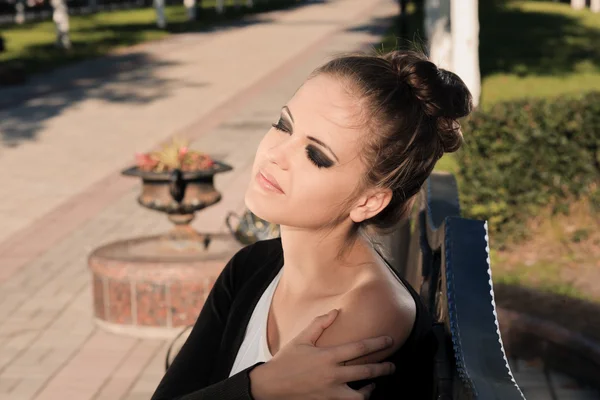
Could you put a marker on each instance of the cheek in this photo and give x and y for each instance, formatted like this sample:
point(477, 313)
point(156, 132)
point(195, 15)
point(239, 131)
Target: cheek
point(325, 192)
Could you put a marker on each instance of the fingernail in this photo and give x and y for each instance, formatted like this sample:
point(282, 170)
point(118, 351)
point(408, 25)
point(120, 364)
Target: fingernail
point(388, 340)
point(393, 367)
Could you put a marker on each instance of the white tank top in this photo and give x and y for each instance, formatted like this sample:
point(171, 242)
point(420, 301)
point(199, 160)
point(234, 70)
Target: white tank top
point(255, 347)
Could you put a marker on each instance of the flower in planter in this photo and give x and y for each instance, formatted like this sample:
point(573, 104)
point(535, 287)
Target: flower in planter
point(175, 155)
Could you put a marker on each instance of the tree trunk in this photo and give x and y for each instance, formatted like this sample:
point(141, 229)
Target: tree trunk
point(249, 3)
point(440, 42)
point(61, 20)
point(191, 8)
point(93, 5)
point(465, 44)
point(20, 12)
point(595, 6)
point(578, 4)
point(430, 12)
point(220, 6)
point(161, 19)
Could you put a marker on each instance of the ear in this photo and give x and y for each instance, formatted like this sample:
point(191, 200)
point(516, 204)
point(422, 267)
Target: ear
point(370, 205)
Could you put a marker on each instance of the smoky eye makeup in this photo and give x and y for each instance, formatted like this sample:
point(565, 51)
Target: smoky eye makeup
point(317, 157)
point(283, 125)
point(314, 154)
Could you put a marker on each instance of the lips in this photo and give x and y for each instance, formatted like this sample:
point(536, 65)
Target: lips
point(271, 180)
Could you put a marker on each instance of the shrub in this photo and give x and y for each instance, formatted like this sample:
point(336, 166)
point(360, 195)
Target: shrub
point(523, 155)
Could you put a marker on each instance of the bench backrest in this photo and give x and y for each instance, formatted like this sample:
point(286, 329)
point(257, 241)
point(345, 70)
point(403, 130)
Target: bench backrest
point(446, 259)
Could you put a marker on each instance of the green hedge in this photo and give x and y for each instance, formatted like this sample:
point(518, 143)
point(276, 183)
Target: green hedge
point(524, 155)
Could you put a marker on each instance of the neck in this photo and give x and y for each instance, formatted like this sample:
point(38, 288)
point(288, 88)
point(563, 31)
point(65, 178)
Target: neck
point(312, 267)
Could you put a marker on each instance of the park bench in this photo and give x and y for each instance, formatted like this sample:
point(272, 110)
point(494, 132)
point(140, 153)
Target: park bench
point(446, 259)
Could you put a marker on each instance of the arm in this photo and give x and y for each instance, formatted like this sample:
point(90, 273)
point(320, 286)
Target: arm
point(188, 377)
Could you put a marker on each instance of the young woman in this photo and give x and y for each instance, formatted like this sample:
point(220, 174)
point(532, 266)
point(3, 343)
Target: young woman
point(344, 161)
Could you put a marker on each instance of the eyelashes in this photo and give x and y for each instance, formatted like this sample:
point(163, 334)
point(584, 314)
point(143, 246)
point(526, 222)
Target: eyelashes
point(314, 155)
point(317, 157)
point(280, 126)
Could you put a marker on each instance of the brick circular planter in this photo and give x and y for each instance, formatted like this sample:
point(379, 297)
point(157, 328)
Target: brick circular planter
point(154, 286)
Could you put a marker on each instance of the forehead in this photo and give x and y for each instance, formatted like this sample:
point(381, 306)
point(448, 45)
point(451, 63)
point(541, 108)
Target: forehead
point(326, 101)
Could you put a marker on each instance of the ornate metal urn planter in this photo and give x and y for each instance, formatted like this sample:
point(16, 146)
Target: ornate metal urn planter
point(178, 193)
point(151, 286)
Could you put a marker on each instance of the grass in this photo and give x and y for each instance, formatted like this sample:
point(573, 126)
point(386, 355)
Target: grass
point(541, 275)
point(562, 255)
point(31, 45)
point(549, 50)
point(537, 49)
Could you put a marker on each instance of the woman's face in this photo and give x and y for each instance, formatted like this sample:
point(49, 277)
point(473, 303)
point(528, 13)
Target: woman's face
point(312, 153)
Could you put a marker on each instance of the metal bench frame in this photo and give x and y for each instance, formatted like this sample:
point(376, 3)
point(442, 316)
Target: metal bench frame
point(446, 259)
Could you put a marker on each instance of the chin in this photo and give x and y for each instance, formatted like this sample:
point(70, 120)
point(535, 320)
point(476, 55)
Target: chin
point(262, 207)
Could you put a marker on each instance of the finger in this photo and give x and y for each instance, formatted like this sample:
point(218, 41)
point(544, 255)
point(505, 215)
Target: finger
point(315, 329)
point(350, 351)
point(366, 371)
point(366, 391)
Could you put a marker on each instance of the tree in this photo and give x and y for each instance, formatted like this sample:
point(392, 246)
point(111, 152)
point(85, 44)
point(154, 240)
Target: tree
point(20, 12)
point(60, 16)
point(464, 17)
point(220, 6)
point(440, 33)
point(190, 6)
point(578, 4)
point(595, 6)
point(161, 19)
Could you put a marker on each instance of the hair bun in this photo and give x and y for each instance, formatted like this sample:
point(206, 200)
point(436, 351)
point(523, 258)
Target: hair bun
point(441, 93)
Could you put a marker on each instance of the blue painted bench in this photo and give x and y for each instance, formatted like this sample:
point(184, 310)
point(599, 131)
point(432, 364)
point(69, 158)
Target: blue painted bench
point(446, 259)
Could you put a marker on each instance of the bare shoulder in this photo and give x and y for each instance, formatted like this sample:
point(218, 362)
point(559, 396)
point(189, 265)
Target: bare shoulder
point(375, 308)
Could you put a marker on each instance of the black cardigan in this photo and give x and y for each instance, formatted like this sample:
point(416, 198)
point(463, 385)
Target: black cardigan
point(201, 368)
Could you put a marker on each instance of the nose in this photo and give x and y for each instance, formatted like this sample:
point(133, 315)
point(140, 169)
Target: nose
point(280, 154)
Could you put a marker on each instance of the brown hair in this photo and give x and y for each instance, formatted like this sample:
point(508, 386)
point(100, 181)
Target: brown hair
point(411, 108)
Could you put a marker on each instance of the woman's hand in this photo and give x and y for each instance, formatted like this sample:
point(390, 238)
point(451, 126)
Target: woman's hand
point(302, 371)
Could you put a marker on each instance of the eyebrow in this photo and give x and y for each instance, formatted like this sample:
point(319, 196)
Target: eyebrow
point(314, 139)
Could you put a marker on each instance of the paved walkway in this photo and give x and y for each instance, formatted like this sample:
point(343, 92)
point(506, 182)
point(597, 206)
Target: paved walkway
point(222, 89)
point(65, 138)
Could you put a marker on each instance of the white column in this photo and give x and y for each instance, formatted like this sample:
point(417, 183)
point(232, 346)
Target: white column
point(190, 6)
point(161, 19)
point(465, 44)
point(60, 16)
point(220, 6)
point(578, 4)
point(595, 6)
point(440, 39)
point(20, 12)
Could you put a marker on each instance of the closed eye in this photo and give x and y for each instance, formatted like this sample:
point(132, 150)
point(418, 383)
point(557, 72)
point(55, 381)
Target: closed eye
point(282, 126)
point(317, 157)
point(314, 155)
